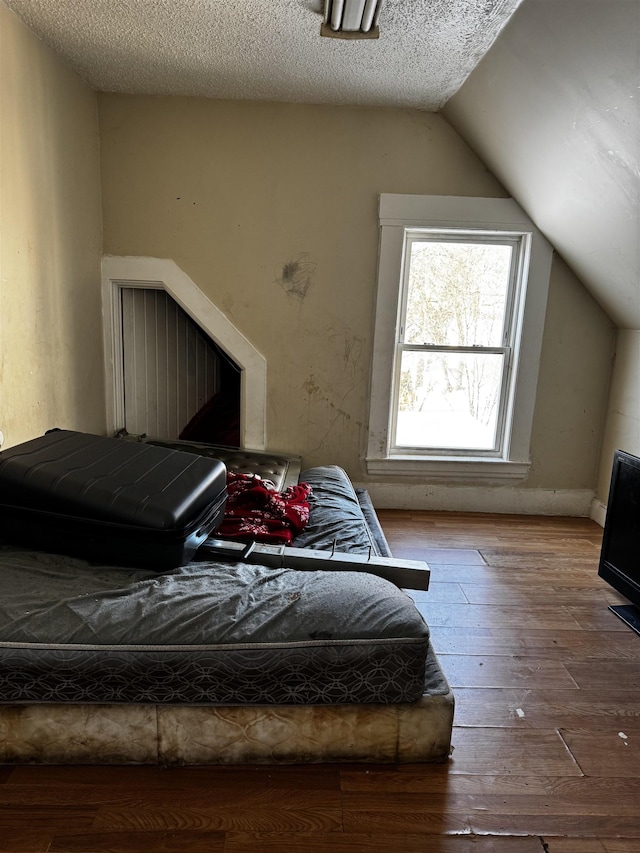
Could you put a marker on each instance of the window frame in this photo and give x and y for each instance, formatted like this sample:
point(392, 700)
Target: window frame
point(519, 245)
point(402, 215)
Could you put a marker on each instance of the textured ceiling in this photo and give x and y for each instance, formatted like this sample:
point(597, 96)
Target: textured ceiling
point(269, 49)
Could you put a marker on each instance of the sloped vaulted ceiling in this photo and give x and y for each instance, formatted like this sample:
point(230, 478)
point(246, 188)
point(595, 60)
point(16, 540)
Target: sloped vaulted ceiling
point(554, 111)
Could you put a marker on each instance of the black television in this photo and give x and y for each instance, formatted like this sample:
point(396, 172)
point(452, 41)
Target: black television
point(620, 555)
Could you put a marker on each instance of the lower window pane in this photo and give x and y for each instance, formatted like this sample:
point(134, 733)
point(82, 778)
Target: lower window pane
point(448, 400)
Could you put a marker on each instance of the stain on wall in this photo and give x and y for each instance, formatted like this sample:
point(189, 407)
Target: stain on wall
point(329, 403)
point(296, 277)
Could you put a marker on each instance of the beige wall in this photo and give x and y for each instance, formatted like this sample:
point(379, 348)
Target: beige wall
point(238, 194)
point(51, 357)
point(623, 417)
point(573, 386)
point(249, 198)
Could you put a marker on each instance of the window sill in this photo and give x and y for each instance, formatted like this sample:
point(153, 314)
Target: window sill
point(449, 468)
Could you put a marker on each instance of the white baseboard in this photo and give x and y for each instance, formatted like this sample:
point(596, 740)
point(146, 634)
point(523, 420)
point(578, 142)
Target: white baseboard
point(572, 502)
point(598, 512)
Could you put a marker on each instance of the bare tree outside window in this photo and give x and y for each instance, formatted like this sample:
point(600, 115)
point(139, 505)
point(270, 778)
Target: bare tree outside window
point(453, 342)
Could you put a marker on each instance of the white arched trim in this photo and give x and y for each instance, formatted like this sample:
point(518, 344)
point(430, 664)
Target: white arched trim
point(163, 273)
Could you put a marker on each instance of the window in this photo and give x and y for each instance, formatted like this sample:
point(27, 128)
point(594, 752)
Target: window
point(459, 322)
point(455, 341)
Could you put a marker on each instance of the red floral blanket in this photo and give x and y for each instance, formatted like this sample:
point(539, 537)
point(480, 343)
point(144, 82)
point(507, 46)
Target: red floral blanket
point(256, 512)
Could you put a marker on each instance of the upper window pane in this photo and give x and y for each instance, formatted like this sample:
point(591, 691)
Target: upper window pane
point(457, 292)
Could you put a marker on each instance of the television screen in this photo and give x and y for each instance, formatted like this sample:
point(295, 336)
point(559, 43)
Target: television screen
point(620, 554)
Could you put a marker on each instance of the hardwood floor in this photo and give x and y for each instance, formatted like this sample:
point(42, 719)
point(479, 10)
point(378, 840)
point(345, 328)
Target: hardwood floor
point(546, 740)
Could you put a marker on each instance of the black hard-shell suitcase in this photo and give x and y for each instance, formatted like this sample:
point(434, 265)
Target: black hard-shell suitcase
point(110, 500)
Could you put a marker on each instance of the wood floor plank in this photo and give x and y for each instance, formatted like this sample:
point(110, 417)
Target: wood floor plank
point(67, 816)
point(446, 556)
point(563, 807)
point(137, 842)
point(460, 573)
point(503, 671)
point(508, 804)
point(532, 575)
point(326, 777)
point(273, 810)
point(42, 797)
point(574, 578)
point(123, 797)
point(550, 562)
point(413, 812)
point(542, 708)
point(442, 592)
point(606, 675)
point(525, 596)
point(528, 794)
point(591, 845)
point(377, 843)
point(409, 816)
point(25, 840)
point(518, 752)
point(557, 824)
point(111, 808)
point(572, 645)
point(597, 618)
point(93, 775)
point(545, 544)
point(487, 616)
point(611, 752)
point(573, 845)
point(511, 806)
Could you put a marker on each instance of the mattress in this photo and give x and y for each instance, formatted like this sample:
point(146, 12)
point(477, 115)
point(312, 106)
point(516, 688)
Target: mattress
point(213, 633)
point(340, 517)
point(282, 469)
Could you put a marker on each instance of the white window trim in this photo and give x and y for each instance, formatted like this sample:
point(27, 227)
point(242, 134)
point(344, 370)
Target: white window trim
point(397, 213)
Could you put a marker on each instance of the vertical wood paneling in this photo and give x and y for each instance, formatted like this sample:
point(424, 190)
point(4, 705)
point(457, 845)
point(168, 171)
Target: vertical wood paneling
point(171, 376)
point(170, 365)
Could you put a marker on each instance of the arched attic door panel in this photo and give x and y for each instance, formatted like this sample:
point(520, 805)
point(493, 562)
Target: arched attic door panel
point(164, 274)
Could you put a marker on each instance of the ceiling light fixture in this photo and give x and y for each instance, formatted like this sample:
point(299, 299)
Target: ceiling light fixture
point(351, 19)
